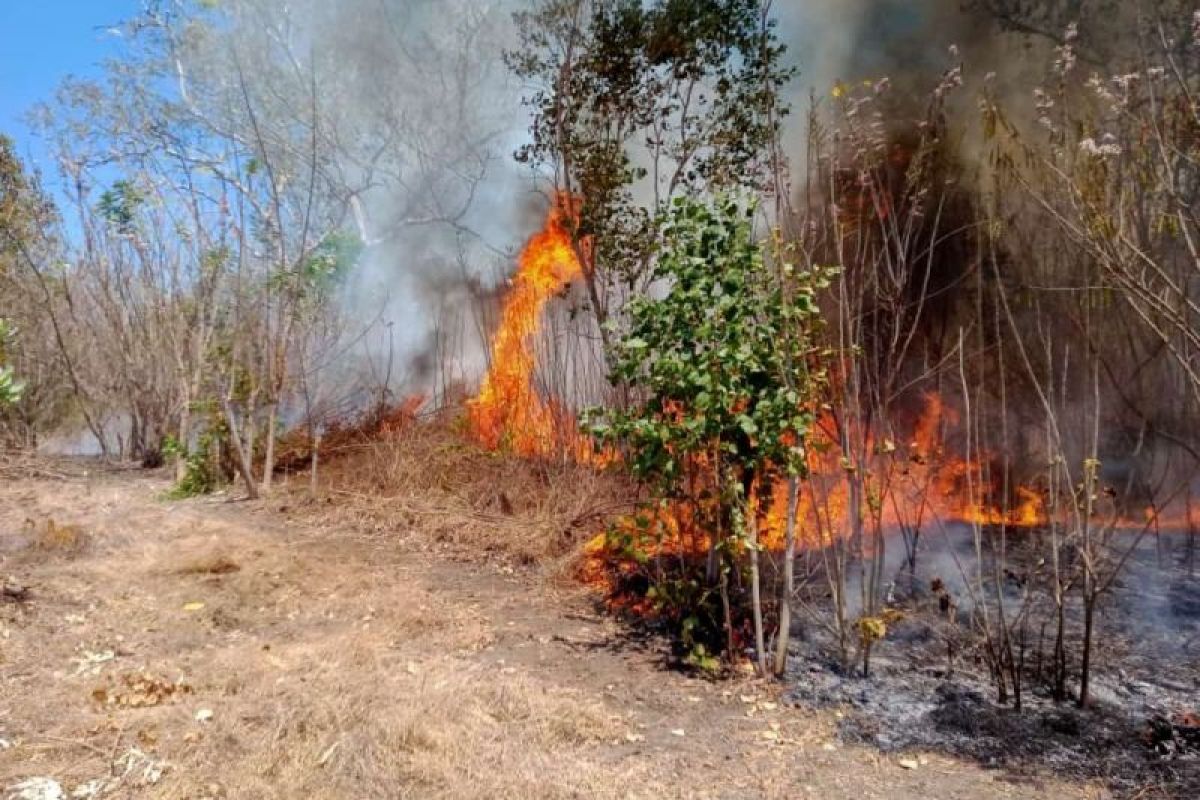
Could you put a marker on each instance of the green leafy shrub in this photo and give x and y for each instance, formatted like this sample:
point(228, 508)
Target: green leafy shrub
point(10, 388)
point(721, 368)
point(199, 477)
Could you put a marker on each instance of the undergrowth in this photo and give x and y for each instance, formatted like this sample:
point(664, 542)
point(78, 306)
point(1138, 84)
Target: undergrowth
point(199, 477)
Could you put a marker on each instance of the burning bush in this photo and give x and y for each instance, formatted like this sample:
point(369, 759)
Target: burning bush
point(298, 447)
point(722, 369)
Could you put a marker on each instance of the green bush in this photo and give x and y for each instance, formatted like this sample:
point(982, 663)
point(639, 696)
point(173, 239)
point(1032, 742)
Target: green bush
point(199, 477)
point(721, 364)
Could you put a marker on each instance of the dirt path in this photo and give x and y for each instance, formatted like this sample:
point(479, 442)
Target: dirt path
point(208, 649)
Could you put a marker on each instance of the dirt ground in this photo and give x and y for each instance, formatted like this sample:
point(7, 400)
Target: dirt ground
point(216, 649)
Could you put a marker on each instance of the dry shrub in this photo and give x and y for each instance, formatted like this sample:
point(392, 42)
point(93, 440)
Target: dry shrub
point(294, 449)
point(51, 536)
point(433, 480)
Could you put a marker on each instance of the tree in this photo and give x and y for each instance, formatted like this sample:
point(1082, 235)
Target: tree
point(637, 103)
point(222, 156)
point(720, 365)
point(1110, 170)
point(10, 387)
point(20, 208)
point(27, 244)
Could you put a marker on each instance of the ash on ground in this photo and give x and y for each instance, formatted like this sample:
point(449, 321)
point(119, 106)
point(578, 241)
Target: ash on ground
point(929, 686)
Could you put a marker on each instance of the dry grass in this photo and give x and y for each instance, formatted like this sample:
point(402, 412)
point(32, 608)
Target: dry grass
point(333, 665)
point(50, 536)
point(429, 478)
point(330, 671)
point(436, 729)
point(210, 564)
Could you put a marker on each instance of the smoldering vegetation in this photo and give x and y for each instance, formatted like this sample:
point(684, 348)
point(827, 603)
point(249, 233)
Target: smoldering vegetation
point(929, 686)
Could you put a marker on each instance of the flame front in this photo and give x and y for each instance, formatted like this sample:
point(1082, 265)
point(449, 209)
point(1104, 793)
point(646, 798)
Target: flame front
point(914, 485)
point(508, 412)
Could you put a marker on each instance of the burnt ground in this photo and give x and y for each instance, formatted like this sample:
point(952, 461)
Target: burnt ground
point(929, 686)
point(216, 649)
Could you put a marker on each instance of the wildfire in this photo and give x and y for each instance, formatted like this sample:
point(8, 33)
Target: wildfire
point(898, 486)
point(912, 487)
point(508, 412)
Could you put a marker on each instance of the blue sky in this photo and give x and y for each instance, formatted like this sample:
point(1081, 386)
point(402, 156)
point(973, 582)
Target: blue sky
point(44, 41)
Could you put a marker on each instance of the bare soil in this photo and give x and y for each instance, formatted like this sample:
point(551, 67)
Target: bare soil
point(217, 649)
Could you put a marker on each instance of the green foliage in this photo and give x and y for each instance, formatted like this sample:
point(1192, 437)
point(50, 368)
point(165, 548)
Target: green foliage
point(119, 206)
point(721, 357)
point(325, 267)
point(331, 260)
point(721, 363)
point(10, 388)
point(199, 477)
point(690, 88)
point(694, 606)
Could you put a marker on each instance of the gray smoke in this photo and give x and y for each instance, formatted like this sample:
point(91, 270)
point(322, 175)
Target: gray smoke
point(420, 98)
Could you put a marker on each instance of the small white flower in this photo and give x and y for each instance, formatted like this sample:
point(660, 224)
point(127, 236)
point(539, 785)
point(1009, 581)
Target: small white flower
point(1066, 53)
point(1106, 148)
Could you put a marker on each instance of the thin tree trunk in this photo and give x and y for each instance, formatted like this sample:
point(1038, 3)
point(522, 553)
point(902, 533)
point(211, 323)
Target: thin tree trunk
point(243, 459)
point(728, 614)
point(184, 434)
point(312, 480)
point(760, 649)
point(269, 448)
point(1085, 664)
point(789, 579)
point(1060, 653)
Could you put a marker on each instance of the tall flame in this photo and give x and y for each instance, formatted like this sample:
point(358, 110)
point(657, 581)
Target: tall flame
point(508, 411)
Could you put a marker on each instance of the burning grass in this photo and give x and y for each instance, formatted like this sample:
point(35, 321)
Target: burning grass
point(295, 447)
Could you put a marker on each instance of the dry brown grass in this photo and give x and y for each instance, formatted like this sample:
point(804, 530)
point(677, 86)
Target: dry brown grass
point(445, 728)
point(430, 478)
point(50, 536)
point(328, 670)
point(210, 564)
point(334, 665)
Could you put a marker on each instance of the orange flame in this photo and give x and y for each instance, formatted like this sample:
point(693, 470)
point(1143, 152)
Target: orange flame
point(898, 488)
point(508, 412)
